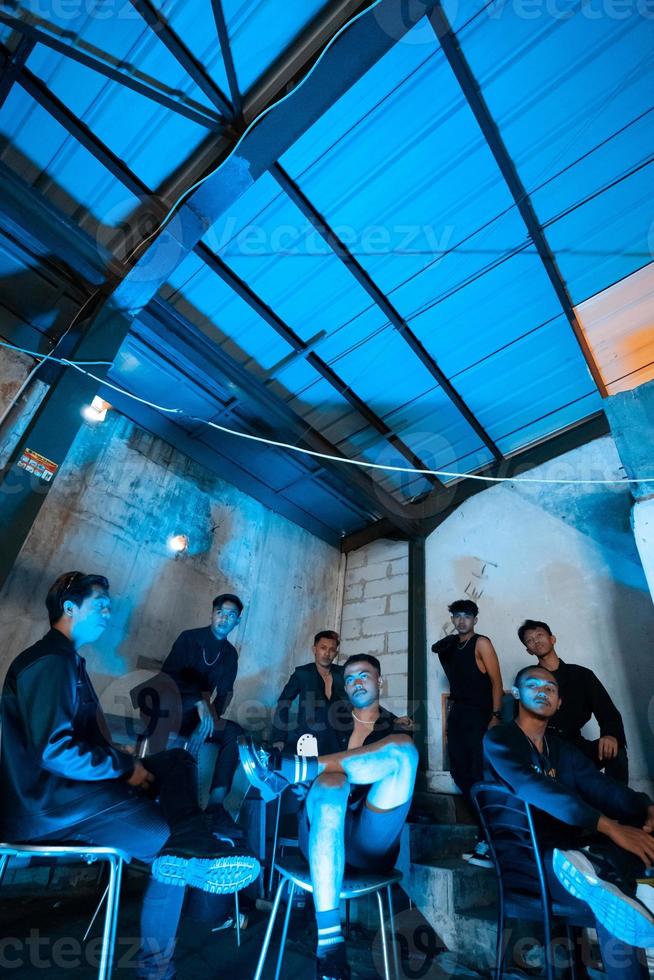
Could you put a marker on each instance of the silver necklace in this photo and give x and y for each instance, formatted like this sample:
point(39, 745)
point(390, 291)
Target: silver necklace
point(370, 724)
point(204, 657)
point(462, 646)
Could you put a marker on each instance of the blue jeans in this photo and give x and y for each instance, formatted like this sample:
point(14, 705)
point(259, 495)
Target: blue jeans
point(141, 827)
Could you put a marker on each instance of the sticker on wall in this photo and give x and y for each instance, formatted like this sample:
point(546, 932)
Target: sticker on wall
point(37, 465)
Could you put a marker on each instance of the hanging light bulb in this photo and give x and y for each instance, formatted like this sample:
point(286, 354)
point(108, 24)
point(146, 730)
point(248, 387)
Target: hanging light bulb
point(178, 543)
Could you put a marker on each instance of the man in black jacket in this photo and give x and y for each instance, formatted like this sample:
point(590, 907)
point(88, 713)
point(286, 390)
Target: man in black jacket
point(357, 803)
point(576, 806)
point(582, 696)
point(194, 688)
point(61, 779)
point(318, 686)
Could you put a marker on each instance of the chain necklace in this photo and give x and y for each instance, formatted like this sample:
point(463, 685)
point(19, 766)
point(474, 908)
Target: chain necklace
point(541, 755)
point(208, 663)
point(370, 724)
point(462, 646)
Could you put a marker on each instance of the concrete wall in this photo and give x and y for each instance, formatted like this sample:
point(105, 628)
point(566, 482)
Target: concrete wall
point(115, 501)
point(561, 554)
point(375, 613)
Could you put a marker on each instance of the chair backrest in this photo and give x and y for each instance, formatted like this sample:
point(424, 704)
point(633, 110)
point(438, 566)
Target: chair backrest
point(509, 827)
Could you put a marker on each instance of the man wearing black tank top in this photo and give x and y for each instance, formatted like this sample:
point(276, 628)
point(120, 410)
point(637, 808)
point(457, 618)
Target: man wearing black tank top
point(473, 671)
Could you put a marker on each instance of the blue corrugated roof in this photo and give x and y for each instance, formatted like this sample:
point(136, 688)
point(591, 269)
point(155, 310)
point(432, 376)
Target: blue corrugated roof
point(400, 169)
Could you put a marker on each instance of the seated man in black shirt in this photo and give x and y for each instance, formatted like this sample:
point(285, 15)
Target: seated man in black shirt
point(62, 780)
point(318, 686)
point(577, 805)
point(202, 666)
point(358, 801)
point(582, 697)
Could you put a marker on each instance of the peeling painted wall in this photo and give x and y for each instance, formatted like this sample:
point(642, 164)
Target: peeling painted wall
point(562, 554)
point(115, 501)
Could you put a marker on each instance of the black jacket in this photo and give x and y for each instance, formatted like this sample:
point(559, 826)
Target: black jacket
point(57, 766)
point(582, 696)
point(200, 664)
point(562, 783)
point(314, 708)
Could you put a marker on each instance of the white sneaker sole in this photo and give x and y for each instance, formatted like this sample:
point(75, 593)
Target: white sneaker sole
point(219, 876)
point(624, 917)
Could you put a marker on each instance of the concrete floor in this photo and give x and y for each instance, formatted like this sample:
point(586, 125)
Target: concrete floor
point(41, 936)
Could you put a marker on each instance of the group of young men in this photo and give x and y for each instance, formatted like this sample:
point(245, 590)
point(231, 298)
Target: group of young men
point(352, 761)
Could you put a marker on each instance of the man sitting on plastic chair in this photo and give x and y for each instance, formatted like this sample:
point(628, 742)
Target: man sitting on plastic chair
point(358, 800)
point(578, 806)
point(62, 780)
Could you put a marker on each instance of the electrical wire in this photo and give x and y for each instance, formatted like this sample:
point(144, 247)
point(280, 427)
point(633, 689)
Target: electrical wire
point(279, 444)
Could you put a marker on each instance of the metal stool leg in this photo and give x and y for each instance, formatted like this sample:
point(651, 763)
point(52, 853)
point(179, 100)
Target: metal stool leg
point(273, 856)
point(237, 913)
point(4, 860)
point(391, 921)
point(380, 906)
point(269, 930)
point(110, 919)
point(287, 917)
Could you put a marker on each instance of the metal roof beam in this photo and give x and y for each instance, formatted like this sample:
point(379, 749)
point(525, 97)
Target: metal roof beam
point(12, 65)
point(160, 26)
point(437, 507)
point(490, 130)
point(381, 301)
point(228, 59)
point(255, 303)
point(38, 30)
point(184, 337)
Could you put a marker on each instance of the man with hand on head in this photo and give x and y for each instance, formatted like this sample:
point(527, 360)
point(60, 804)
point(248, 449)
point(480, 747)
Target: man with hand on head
point(583, 696)
point(473, 671)
point(577, 806)
point(62, 780)
point(317, 686)
point(357, 804)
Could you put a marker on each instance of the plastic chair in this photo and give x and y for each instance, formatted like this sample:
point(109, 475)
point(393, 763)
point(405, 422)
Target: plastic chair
point(294, 873)
point(523, 891)
point(25, 854)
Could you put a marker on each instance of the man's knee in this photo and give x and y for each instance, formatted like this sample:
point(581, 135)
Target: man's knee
point(329, 791)
point(404, 753)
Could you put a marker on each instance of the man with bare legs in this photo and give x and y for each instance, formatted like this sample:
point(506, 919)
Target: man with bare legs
point(357, 803)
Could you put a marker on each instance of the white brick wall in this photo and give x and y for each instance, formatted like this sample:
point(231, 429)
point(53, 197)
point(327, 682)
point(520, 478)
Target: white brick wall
point(375, 613)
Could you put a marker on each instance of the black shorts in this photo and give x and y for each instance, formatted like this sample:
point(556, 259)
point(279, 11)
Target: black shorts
point(372, 839)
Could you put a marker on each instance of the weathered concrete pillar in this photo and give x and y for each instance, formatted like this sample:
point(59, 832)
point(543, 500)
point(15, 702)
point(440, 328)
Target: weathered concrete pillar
point(631, 417)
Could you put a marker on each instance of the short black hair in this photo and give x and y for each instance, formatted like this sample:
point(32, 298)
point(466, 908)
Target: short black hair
point(327, 635)
point(227, 597)
point(525, 670)
point(366, 658)
point(532, 624)
point(76, 586)
point(465, 606)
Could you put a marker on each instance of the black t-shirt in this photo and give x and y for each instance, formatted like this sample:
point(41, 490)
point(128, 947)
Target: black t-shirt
point(200, 664)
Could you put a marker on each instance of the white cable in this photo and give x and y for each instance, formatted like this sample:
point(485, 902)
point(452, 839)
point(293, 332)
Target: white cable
point(354, 462)
point(44, 358)
point(264, 112)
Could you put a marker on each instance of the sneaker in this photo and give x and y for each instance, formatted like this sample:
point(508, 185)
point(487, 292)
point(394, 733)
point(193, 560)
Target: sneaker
point(197, 859)
point(332, 968)
point(479, 856)
point(271, 772)
point(625, 917)
point(229, 922)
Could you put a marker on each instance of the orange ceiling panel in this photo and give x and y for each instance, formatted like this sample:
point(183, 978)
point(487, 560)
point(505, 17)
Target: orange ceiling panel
point(619, 327)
